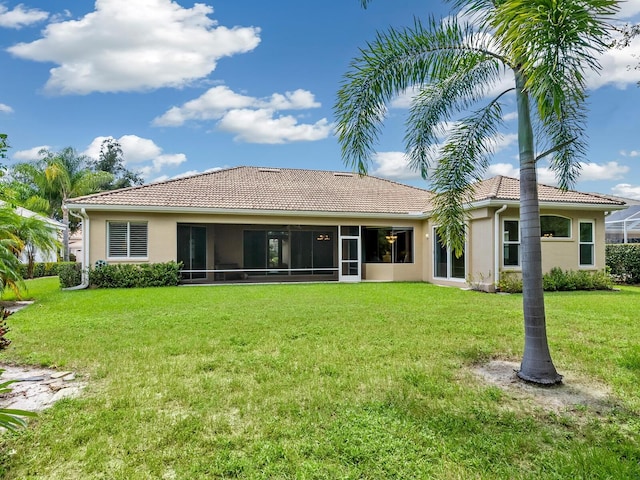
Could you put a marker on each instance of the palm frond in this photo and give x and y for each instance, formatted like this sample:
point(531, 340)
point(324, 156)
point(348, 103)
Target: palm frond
point(395, 61)
point(464, 160)
point(438, 102)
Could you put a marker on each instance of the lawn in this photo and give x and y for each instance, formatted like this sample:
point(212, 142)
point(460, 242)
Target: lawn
point(363, 381)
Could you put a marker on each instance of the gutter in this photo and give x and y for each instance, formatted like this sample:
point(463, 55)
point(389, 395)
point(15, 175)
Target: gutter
point(496, 246)
point(85, 251)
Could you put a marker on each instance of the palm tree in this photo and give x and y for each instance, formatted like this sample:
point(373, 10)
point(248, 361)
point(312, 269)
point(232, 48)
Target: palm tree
point(546, 45)
point(57, 177)
point(10, 248)
point(35, 234)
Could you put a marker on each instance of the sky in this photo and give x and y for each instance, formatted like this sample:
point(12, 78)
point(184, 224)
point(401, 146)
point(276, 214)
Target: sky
point(191, 87)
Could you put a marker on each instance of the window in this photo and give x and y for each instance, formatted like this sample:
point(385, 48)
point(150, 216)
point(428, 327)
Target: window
point(445, 262)
point(387, 245)
point(127, 239)
point(587, 244)
point(553, 226)
point(511, 243)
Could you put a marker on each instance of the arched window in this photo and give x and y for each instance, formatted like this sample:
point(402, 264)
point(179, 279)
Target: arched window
point(554, 226)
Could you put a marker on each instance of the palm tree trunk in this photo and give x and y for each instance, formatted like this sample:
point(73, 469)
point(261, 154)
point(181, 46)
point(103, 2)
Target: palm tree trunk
point(537, 366)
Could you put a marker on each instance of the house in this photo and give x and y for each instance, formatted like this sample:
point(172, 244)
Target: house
point(277, 224)
point(623, 226)
point(56, 232)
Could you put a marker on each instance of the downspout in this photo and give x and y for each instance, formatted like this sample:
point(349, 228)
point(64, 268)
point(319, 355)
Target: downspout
point(496, 245)
point(85, 251)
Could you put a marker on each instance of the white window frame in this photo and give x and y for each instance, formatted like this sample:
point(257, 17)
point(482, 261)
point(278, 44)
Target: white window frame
point(449, 263)
point(127, 240)
point(511, 242)
point(592, 243)
point(551, 237)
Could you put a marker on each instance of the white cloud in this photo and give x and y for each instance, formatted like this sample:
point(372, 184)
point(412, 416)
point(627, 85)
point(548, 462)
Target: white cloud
point(628, 9)
point(626, 190)
point(139, 154)
point(211, 105)
point(20, 16)
point(507, 117)
point(263, 126)
point(617, 67)
point(606, 171)
point(393, 165)
point(632, 153)
point(589, 171)
point(4, 108)
point(135, 45)
point(502, 141)
point(504, 169)
point(253, 119)
point(30, 154)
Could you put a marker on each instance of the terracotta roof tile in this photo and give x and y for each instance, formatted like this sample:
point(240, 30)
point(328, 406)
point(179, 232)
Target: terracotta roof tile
point(253, 188)
point(507, 188)
point(286, 189)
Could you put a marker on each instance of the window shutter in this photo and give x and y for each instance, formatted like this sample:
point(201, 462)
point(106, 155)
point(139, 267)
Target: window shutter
point(117, 239)
point(137, 239)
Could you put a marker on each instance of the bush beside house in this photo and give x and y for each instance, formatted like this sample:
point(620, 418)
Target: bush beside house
point(558, 280)
point(623, 260)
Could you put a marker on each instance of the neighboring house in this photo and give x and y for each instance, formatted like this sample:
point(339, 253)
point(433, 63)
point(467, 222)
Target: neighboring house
point(624, 226)
point(75, 244)
point(57, 234)
point(270, 224)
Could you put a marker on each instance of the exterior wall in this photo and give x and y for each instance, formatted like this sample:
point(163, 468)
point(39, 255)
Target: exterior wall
point(162, 238)
point(479, 255)
point(564, 252)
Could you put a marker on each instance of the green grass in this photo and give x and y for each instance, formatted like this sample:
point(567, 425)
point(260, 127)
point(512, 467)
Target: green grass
point(362, 381)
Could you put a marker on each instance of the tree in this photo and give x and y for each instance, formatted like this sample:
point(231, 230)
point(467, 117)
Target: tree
point(55, 178)
point(4, 146)
point(111, 161)
point(67, 176)
point(547, 46)
point(35, 234)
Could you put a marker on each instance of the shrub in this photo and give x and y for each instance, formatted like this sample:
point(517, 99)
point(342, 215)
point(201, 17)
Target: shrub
point(126, 275)
point(510, 282)
point(4, 314)
point(624, 262)
point(43, 269)
point(560, 280)
point(69, 274)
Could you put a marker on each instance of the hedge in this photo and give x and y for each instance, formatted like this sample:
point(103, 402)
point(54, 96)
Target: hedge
point(560, 280)
point(623, 260)
point(44, 269)
point(126, 275)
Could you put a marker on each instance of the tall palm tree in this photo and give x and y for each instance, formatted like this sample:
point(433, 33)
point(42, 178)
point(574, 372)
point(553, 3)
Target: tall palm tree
point(546, 45)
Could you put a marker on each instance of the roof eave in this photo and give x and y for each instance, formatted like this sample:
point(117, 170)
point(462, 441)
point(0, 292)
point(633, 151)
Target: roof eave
point(558, 205)
point(246, 211)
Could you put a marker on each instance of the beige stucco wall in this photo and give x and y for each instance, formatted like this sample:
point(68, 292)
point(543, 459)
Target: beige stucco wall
point(564, 252)
point(480, 253)
point(162, 235)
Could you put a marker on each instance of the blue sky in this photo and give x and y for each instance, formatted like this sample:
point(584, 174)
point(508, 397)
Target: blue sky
point(187, 87)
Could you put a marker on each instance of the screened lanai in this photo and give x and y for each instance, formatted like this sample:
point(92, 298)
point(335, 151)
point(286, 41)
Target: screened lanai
point(623, 226)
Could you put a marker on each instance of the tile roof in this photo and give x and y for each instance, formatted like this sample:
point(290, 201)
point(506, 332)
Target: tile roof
point(507, 188)
point(272, 189)
point(298, 190)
